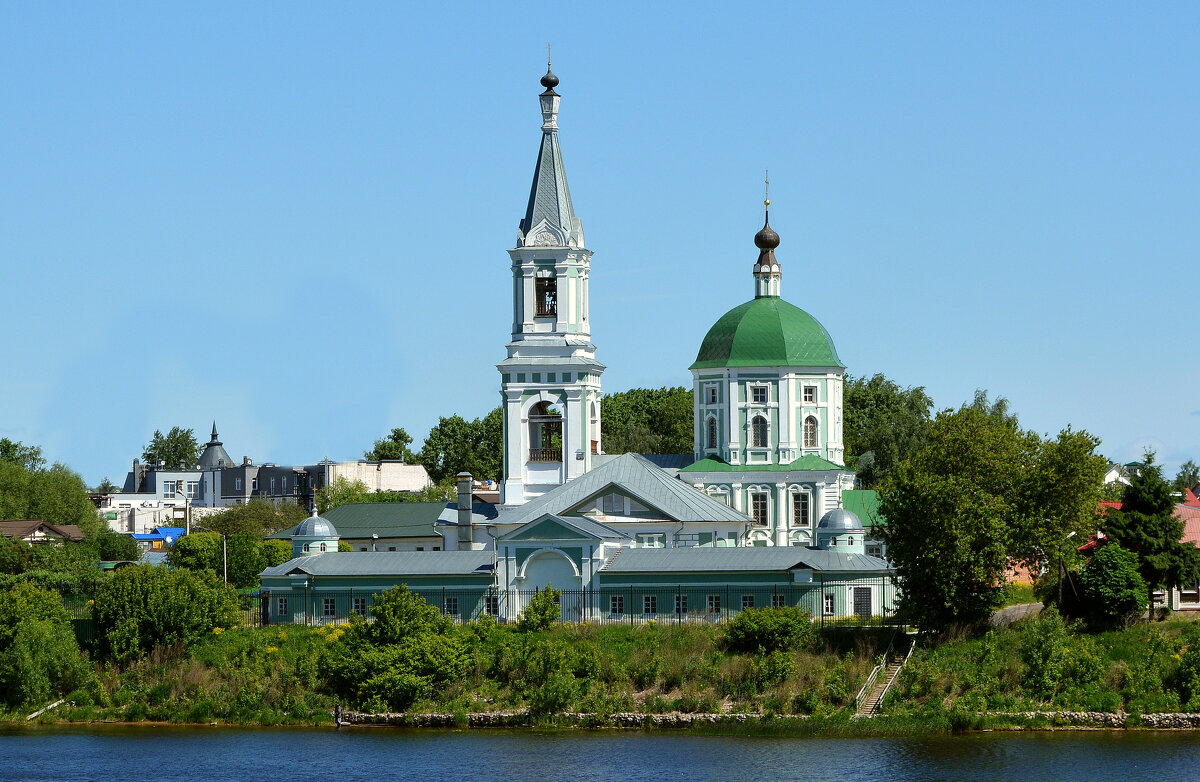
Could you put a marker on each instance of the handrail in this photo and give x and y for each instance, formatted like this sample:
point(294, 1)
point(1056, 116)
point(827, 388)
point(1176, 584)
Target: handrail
point(892, 680)
point(866, 688)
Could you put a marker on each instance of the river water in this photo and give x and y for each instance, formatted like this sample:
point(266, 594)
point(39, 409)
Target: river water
point(158, 754)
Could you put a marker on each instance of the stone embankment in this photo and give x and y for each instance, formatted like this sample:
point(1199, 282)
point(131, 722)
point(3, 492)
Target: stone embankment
point(1106, 719)
point(514, 719)
point(508, 719)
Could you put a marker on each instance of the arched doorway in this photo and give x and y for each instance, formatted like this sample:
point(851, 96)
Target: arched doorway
point(554, 569)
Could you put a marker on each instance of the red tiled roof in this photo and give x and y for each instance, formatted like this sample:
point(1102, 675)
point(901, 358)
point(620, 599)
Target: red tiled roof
point(1190, 517)
point(1190, 499)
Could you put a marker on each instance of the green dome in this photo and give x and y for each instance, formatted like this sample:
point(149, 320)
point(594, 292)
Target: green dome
point(767, 332)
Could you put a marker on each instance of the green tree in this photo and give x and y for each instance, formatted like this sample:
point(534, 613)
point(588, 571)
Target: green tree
point(177, 447)
point(648, 420)
point(542, 611)
point(244, 551)
point(114, 547)
point(980, 494)
point(1188, 475)
point(259, 517)
point(55, 495)
point(106, 486)
point(28, 457)
point(39, 657)
point(884, 424)
point(140, 608)
point(394, 446)
point(456, 445)
point(1147, 525)
point(342, 491)
point(1114, 592)
point(276, 552)
point(198, 551)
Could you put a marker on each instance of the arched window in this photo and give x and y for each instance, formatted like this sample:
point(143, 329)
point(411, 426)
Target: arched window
point(545, 433)
point(810, 432)
point(712, 432)
point(322, 547)
point(547, 293)
point(595, 428)
point(758, 432)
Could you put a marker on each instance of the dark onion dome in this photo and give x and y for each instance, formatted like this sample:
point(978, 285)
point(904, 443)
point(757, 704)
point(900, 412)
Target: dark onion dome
point(766, 239)
point(549, 81)
point(767, 332)
point(839, 519)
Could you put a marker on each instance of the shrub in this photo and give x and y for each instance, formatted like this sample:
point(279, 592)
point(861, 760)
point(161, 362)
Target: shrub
point(542, 611)
point(401, 614)
point(142, 607)
point(39, 656)
point(769, 630)
point(1113, 590)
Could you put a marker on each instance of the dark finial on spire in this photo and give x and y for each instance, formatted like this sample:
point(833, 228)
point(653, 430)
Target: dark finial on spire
point(214, 432)
point(549, 81)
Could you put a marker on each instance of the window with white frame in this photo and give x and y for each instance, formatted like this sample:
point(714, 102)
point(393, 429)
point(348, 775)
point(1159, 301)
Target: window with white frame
point(652, 540)
point(168, 488)
point(801, 509)
point(829, 606)
point(758, 432)
point(713, 604)
point(360, 606)
point(810, 432)
point(810, 393)
point(758, 508)
point(328, 606)
point(747, 602)
point(237, 484)
point(491, 605)
point(681, 607)
point(254, 484)
point(272, 485)
point(650, 604)
point(281, 605)
point(712, 432)
point(778, 601)
point(875, 550)
point(322, 548)
point(758, 395)
point(285, 483)
point(712, 395)
point(450, 606)
point(616, 604)
point(193, 488)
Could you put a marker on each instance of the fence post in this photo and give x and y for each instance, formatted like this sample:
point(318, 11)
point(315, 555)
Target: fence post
point(725, 613)
point(631, 605)
point(678, 604)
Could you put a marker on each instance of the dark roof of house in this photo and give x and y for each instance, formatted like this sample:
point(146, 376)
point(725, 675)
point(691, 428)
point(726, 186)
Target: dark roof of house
point(390, 563)
point(394, 519)
point(21, 527)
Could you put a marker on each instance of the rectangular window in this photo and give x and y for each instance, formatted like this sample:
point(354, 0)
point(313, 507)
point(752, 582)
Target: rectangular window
point(875, 550)
point(193, 488)
point(714, 604)
point(546, 290)
point(712, 395)
point(651, 541)
point(491, 605)
point(650, 604)
point(362, 548)
point(272, 485)
point(391, 548)
point(758, 509)
point(281, 606)
point(828, 605)
point(328, 606)
point(612, 505)
point(360, 606)
point(254, 484)
point(168, 488)
point(810, 393)
point(800, 517)
point(420, 548)
point(437, 548)
point(451, 606)
point(285, 483)
point(778, 601)
point(237, 484)
point(758, 395)
point(681, 604)
point(616, 604)
point(747, 602)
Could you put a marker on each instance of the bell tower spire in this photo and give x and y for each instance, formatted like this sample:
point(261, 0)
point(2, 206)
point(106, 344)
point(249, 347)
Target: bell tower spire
point(550, 382)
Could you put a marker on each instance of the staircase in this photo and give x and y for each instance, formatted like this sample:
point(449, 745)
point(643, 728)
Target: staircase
point(881, 679)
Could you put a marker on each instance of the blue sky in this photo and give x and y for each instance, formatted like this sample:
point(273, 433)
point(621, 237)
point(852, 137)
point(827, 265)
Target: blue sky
point(292, 218)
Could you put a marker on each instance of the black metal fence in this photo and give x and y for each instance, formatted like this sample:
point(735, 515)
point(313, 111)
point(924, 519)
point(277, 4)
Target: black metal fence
point(862, 602)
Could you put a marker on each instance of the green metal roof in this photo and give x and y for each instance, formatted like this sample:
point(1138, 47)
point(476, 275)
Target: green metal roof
point(810, 462)
point(385, 519)
point(864, 503)
point(739, 559)
point(767, 332)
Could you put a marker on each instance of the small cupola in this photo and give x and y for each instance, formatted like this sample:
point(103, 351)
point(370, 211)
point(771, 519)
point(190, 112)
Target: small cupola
point(314, 535)
point(767, 271)
point(840, 530)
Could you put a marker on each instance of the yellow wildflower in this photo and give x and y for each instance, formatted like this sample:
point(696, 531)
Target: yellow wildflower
point(272, 649)
point(218, 630)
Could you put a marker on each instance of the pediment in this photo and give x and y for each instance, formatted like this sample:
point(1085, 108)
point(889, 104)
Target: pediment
point(548, 527)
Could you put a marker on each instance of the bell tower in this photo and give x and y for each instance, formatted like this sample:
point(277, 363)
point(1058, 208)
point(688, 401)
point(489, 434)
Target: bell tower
point(550, 382)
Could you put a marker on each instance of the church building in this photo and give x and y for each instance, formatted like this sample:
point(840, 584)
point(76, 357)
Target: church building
point(758, 515)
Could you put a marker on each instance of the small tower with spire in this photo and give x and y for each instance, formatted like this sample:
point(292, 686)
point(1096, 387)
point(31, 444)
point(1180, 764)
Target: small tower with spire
point(767, 272)
point(550, 381)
